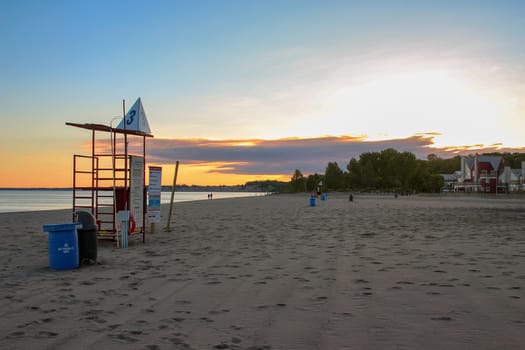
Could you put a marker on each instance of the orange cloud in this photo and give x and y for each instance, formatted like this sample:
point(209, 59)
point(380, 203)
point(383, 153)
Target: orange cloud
point(212, 174)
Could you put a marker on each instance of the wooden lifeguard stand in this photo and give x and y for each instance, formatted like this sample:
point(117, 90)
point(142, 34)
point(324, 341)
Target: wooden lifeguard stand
point(113, 177)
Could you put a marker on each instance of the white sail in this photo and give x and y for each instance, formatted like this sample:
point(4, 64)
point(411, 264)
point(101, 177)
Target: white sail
point(135, 119)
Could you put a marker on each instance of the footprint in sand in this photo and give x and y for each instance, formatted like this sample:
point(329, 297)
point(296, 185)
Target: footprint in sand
point(152, 347)
point(17, 334)
point(179, 342)
point(360, 280)
point(301, 279)
point(404, 282)
point(442, 318)
point(213, 282)
point(47, 334)
point(124, 337)
point(218, 312)
point(320, 298)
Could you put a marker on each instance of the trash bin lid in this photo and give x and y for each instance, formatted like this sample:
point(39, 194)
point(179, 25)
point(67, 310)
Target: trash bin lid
point(87, 220)
point(62, 227)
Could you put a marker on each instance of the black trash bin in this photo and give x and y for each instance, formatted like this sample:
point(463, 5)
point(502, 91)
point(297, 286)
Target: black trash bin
point(87, 238)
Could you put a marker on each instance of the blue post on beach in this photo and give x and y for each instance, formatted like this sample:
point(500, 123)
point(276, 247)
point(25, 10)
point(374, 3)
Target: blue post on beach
point(312, 201)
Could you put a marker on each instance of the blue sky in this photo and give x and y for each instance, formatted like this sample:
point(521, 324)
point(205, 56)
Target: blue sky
point(266, 70)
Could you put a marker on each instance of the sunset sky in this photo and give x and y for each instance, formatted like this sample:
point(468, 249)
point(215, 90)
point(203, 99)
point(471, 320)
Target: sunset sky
point(246, 90)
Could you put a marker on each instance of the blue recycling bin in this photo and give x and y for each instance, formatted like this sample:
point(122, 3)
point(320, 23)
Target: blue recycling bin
point(63, 245)
point(312, 201)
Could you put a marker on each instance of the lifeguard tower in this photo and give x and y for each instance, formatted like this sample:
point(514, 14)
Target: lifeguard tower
point(112, 178)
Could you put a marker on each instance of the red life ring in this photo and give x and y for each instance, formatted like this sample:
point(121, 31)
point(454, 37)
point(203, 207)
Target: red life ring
point(132, 224)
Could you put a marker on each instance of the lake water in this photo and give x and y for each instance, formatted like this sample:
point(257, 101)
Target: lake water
point(31, 200)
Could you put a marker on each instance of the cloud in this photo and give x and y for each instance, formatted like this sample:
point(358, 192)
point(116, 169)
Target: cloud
point(283, 156)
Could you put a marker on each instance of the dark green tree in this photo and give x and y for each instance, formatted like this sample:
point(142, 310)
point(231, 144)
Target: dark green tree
point(406, 170)
point(443, 166)
point(334, 178)
point(369, 176)
point(388, 168)
point(353, 174)
point(298, 181)
point(434, 183)
point(312, 181)
point(421, 173)
point(424, 180)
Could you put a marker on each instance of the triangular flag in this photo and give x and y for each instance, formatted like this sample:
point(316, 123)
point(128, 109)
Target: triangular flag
point(135, 119)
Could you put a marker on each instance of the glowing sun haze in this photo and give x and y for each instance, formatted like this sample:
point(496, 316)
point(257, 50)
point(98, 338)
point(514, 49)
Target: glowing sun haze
point(407, 103)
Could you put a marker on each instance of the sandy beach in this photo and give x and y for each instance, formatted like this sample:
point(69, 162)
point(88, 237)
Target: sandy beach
point(271, 272)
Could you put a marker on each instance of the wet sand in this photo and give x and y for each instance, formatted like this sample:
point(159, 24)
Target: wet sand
point(418, 272)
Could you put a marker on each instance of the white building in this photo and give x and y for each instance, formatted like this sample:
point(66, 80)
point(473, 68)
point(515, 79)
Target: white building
point(513, 178)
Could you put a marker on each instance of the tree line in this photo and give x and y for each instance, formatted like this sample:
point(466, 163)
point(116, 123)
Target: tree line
point(388, 170)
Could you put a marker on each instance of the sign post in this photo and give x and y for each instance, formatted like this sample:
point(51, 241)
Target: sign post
point(172, 195)
point(154, 193)
point(136, 197)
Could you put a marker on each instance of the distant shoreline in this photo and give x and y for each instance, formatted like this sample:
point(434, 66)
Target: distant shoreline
point(186, 188)
point(183, 188)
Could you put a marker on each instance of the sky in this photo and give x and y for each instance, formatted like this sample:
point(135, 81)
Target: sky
point(252, 90)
